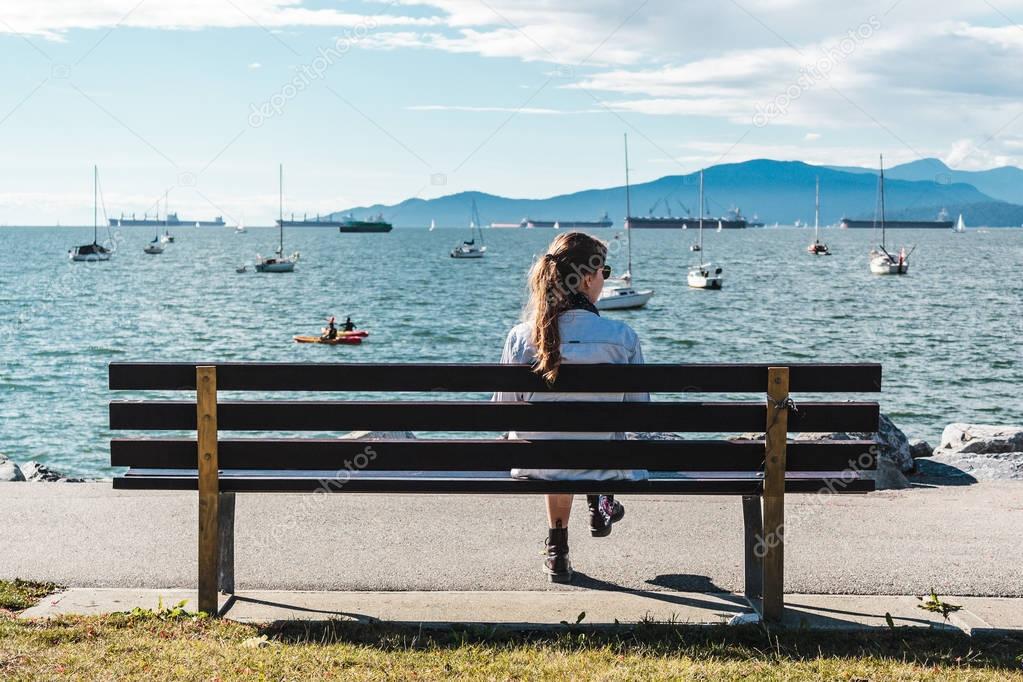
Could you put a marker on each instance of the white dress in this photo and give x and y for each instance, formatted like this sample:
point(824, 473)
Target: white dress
point(586, 338)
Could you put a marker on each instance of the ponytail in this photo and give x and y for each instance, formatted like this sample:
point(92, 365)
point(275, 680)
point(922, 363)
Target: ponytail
point(553, 280)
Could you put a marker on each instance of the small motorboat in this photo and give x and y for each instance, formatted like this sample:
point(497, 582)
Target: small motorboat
point(818, 249)
point(342, 339)
point(622, 296)
point(695, 247)
point(242, 269)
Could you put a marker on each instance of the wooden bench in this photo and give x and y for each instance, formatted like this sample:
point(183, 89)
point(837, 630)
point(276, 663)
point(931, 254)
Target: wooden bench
point(761, 472)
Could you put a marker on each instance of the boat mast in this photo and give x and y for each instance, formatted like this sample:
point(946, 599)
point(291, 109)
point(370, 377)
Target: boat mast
point(95, 190)
point(280, 204)
point(817, 211)
point(881, 180)
point(628, 207)
point(701, 212)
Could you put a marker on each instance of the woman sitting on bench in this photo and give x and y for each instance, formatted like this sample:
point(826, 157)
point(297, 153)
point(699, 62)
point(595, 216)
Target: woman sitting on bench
point(562, 325)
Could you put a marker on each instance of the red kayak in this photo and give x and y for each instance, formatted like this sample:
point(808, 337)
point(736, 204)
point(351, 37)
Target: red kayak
point(350, 340)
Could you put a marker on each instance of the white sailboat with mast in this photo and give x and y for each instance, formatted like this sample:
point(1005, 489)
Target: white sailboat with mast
point(94, 252)
point(960, 227)
point(469, 248)
point(704, 275)
point(818, 248)
point(618, 292)
point(278, 262)
point(881, 261)
point(155, 247)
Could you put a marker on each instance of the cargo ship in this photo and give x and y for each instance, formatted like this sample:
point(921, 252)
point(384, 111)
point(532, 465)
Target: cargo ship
point(346, 224)
point(172, 220)
point(941, 223)
point(529, 223)
point(734, 220)
point(900, 224)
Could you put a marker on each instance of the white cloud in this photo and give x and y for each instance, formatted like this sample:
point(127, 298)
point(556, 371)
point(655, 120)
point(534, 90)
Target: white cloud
point(509, 110)
point(52, 19)
point(979, 154)
point(812, 137)
point(255, 65)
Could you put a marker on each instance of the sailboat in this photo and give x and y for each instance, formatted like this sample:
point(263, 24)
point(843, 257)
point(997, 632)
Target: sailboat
point(167, 237)
point(87, 253)
point(469, 248)
point(278, 262)
point(882, 262)
point(960, 227)
point(818, 248)
point(433, 225)
point(720, 226)
point(618, 293)
point(155, 247)
point(703, 275)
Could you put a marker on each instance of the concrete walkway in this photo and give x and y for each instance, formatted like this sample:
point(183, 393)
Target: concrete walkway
point(956, 540)
point(979, 615)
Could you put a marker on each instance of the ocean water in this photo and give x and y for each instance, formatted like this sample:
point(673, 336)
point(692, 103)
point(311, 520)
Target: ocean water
point(948, 334)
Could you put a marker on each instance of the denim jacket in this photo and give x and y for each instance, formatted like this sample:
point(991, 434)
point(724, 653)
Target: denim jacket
point(586, 338)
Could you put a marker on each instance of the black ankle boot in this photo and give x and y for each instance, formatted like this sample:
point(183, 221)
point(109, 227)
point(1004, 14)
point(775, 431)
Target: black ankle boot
point(604, 512)
point(556, 564)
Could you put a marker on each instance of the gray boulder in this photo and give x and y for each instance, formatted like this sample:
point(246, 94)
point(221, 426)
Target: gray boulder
point(38, 472)
point(920, 448)
point(991, 466)
point(980, 439)
point(980, 452)
point(9, 471)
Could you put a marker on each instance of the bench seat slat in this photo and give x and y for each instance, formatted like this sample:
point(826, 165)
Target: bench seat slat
point(491, 455)
point(339, 415)
point(663, 378)
point(482, 483)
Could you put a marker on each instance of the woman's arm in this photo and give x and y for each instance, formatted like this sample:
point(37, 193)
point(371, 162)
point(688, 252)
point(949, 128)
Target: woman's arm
point(509, 356)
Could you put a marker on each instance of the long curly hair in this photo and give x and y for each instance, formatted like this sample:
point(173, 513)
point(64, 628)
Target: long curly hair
point(553, 280)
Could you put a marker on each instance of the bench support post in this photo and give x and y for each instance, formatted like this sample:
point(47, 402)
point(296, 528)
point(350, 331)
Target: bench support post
point(225, 529)
point(209, 487)
point(753, 525)
point(773, 540)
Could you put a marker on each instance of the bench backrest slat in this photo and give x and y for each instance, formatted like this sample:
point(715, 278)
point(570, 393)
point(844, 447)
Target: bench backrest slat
point(654, 378)
point(338, 415)
point(462, 455)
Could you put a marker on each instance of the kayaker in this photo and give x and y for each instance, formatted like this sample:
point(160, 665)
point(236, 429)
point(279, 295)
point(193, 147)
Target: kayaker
point(563, 326)
point(331, 330)
point(349, 325)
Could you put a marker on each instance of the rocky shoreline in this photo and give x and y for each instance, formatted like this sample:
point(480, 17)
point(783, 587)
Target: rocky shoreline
point(32, 472)
point(967, 453)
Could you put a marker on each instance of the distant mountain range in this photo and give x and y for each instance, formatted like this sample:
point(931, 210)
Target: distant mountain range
point(774, 191)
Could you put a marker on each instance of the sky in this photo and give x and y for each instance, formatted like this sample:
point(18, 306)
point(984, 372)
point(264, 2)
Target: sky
point(374, 101)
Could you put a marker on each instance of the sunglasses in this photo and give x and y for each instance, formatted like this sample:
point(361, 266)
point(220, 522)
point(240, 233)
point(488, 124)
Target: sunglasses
point(606, 271)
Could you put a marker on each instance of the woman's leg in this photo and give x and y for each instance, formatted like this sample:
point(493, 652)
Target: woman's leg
point(559, 508)
point(556, 563)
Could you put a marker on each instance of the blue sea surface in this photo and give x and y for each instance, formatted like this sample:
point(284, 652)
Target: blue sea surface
point(948, 334)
